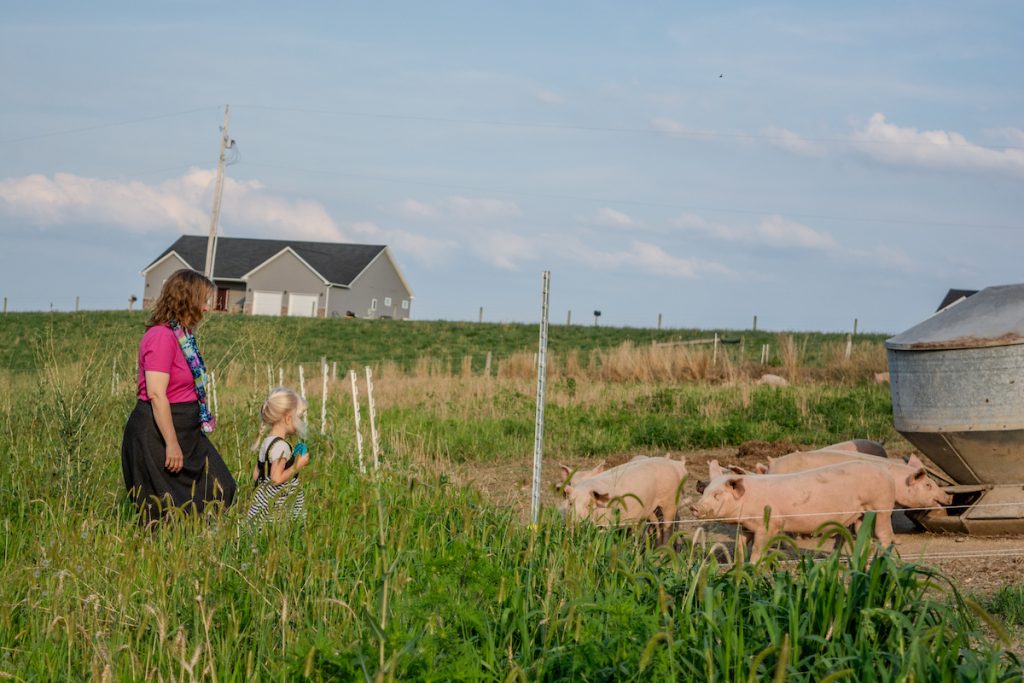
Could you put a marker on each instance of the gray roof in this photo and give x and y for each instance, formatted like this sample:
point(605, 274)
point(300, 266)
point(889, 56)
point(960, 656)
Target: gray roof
point(338, 263)
point(955, 295)
point(992, 317)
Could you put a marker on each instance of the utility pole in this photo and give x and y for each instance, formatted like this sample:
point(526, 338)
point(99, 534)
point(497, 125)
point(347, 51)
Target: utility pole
point(218, 191)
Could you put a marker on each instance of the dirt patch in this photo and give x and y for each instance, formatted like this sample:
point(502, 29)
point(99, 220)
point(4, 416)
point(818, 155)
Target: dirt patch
point(978, 565)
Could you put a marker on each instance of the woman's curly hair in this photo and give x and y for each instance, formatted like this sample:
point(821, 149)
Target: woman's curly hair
point(182, 298)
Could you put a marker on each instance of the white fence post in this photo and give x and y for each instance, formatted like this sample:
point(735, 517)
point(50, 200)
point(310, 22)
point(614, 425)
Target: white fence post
point(538, 435)
point(302, 383)
point(355, 409)
point(323, 403)
point(374, 437)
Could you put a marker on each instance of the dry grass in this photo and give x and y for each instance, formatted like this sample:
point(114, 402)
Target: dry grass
point(627, 363)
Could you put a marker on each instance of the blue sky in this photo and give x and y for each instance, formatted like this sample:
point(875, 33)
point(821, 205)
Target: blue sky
point(809, 163)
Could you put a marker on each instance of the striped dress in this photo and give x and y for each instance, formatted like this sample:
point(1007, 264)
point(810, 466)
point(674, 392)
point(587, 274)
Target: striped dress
point(270, 499)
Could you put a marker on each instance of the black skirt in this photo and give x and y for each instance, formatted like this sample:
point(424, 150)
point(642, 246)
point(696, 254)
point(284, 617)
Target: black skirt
point(203, 478)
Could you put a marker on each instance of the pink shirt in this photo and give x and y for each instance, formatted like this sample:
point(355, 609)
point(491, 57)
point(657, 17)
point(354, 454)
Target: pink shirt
point(159, 351)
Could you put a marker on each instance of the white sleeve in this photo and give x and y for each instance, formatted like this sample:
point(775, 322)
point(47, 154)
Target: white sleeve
point(279, 450)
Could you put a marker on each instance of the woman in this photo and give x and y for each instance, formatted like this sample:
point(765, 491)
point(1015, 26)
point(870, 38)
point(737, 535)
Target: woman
point(166, 457)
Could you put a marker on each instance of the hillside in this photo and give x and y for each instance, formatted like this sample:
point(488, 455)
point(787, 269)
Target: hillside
point(349, 341)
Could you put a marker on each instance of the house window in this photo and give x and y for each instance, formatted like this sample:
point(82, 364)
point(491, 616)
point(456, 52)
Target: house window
point(405, 304)
point(387, 302)
point(373, 304)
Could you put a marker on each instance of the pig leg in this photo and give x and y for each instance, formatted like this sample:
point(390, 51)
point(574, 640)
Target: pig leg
point(744, 541)
point(669, 515)
point(883, 528)
point(763, 534)
point(760, 539)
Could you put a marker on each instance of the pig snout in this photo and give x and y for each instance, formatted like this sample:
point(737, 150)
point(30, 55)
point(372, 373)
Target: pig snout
point(700, 508)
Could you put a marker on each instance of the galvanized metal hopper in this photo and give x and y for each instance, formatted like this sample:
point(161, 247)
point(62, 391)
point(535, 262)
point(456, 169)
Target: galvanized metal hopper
point(957, 382)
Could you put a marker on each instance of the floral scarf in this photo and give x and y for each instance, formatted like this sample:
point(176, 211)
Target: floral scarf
point(187, 342)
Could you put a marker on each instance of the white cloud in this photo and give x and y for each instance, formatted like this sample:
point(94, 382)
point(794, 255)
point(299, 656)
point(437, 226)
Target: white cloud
point(891, 144)
point(548, 96)
point(479, 208)
point(1014, 136)
point(467, 209)
point(176, 205)
point(410, 208)
point(609, 218)
point(675, 128)
point(888, 257)
point(649, 258)
point(779, 232)
point(405, 244)
point(887, 143)
point(504, 249)
point(772, 231)
point(718, 231)
point(793, 142)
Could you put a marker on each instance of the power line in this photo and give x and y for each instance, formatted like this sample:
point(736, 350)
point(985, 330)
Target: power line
point(683, 133)
point(100, 126)
point(638, 202)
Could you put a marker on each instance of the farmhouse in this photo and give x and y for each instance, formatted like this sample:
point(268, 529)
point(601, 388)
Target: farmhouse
point(289, 277)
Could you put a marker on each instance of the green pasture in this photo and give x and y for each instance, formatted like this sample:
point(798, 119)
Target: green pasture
point(405, 575)
point(354, 341)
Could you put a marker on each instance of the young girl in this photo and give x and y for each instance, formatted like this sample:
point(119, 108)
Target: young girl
point(276, 474)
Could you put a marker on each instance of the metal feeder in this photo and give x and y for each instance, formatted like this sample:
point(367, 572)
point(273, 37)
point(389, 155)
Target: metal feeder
point(957, 382)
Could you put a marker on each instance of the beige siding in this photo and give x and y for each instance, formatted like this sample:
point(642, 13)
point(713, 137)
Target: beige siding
point(236, 295)
point(156, 277)
point(379, 281)
point(285, 273)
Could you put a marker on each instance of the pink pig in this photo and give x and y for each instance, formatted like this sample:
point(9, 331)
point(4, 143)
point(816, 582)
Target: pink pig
point(865, 446)
point(801, 502)
point(631, 492)
point(570, 475)
point(914, 488)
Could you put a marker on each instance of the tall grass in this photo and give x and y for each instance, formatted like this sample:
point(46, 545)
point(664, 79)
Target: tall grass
point(404, 575)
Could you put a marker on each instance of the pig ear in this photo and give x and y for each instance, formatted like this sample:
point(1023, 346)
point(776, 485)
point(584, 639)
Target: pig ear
point(915, 462)
point(917, 476)
point(736, 486)
point(736, 469)
point(566, 471)
point(761, 469)
point(600, 498)
point(714, 469)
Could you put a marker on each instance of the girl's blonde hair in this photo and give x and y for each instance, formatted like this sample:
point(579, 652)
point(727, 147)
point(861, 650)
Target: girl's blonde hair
point(279, 403)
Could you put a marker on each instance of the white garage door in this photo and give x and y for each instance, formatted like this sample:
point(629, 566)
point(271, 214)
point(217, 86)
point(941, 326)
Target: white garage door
point(267, 303)
point(302, 305)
